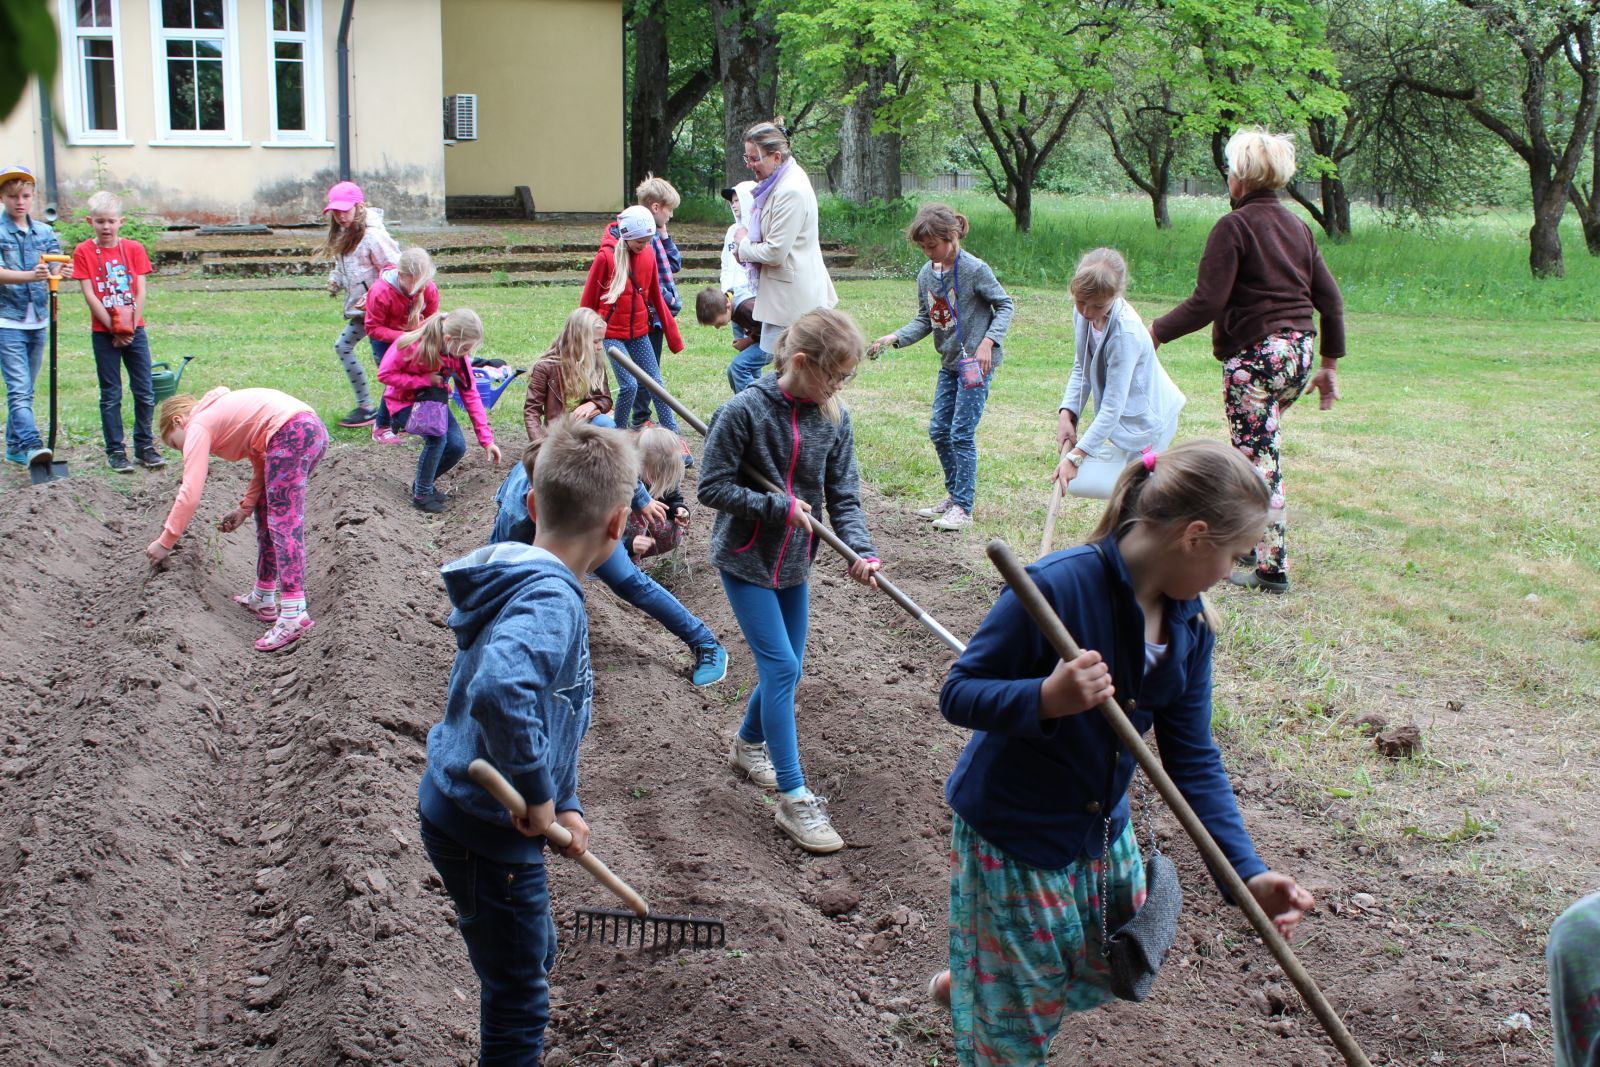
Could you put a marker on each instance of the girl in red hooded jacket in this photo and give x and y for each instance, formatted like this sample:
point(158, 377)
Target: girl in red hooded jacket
point(624, 288)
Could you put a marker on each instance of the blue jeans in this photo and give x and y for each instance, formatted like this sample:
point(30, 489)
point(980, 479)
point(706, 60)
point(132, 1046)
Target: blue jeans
point(380, 410)
point(746, 367)
point(954, 430)
point(108, 363)
point(503, 913)
point(21, 356)
point(620, 574)
point(640, 351)
point(774, 622)
point(439, 454)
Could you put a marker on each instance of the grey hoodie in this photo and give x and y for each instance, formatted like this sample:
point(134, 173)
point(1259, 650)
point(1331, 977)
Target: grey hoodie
point(983, 308)
point(794, 445)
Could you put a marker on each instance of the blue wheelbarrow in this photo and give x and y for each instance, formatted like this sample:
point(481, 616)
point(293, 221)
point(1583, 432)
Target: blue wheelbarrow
point(490, 377)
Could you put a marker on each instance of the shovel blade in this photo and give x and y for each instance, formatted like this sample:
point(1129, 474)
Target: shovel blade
point(52, 471)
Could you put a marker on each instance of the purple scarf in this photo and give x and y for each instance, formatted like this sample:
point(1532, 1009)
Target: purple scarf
point(758, 197)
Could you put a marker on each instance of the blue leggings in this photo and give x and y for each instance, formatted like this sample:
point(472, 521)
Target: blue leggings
point(774, 622)
point(640, 351)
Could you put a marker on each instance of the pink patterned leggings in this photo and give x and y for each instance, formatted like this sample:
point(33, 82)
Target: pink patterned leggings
point(292, 454)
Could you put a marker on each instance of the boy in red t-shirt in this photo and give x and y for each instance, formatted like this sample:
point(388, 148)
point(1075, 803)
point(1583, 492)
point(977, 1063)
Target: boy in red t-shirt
point(112, 273)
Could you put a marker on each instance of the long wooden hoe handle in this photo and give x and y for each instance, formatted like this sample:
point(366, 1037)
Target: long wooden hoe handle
point(1048, 540)
point(484, 773)
point(1056, 633)
point(827, 536)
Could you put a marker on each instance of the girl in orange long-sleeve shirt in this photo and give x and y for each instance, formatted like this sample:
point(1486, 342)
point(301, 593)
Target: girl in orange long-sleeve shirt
point(283, 439)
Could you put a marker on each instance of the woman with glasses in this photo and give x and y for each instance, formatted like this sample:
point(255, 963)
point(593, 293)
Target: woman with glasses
point(778, 243)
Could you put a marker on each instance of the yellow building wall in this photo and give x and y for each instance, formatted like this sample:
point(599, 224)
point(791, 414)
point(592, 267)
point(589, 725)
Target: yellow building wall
point(397, 146)
point(548, 74)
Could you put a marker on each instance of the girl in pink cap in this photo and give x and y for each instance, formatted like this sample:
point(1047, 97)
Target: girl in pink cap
point(361, 250)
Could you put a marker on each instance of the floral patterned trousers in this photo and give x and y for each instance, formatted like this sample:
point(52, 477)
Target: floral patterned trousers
point(1258, 385)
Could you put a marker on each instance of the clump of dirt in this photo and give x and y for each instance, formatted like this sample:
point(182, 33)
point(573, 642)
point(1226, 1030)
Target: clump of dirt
point(208, 855)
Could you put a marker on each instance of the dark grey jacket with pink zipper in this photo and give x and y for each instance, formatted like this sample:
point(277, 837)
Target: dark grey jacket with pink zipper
point(795, 445)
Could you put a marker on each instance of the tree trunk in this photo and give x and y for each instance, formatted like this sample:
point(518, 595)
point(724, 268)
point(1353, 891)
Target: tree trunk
point(1022, 205)
point(1335, 207)
point(1158, 203)
point(650, 137)
point(1544, 239)
point(870, 161)
point(747, 51)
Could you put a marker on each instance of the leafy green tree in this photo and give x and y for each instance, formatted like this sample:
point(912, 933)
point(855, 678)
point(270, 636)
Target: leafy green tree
point(28, 49)
point(1546, 114)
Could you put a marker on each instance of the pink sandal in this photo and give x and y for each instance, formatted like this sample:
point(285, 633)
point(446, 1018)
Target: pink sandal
point(284, 632)
point(264, 612)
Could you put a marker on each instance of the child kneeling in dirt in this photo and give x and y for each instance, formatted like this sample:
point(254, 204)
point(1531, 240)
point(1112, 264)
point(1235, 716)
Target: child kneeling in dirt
point(283, 439)
point(661, 469)
point(1042, 855)
point(519, 697)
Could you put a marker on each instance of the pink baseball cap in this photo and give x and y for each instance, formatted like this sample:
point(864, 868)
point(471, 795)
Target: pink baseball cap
point(344, 196)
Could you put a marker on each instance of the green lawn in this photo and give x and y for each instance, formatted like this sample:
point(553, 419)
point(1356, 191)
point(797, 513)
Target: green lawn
point(1444, 524)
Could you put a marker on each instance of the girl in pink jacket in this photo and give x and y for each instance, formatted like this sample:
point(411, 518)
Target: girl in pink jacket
point(419, 367)
point(283, 439)
point(398, 301)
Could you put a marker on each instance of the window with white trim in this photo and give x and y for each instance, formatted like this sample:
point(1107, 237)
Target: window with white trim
point(93, 68)
point(294, 43)
point(197, 69)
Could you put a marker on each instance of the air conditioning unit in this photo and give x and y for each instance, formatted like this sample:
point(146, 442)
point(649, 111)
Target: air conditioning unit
point(461, 117)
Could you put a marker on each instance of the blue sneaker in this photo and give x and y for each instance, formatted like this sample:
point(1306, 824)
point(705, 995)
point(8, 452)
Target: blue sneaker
point(710, 665)
point(20, 458)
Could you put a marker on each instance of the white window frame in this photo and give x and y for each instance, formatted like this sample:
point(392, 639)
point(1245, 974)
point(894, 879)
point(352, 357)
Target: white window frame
point(76, 92)
point(227, 137)
point(316, 132)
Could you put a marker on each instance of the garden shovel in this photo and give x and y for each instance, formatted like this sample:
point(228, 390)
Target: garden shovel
point(52, 469)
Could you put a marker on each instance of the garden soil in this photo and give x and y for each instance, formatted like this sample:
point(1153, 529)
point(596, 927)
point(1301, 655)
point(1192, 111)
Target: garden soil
point(210, 856)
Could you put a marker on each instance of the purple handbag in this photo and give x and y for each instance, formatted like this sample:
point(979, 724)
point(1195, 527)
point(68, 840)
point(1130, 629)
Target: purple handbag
point(428, 415)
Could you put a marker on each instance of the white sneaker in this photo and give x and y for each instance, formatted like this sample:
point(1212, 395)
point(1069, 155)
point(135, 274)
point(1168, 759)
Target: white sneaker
point(805, 818)
point(937, 510)
point(954, 519)
point(753, 762)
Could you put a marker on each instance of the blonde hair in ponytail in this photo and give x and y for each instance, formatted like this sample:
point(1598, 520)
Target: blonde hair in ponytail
point(416, 264)
point(446, 330)
point(619, 273)
point(831, 342)
point(660, 460)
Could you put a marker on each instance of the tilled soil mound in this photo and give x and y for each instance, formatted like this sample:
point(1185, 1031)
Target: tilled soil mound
point(208, 855)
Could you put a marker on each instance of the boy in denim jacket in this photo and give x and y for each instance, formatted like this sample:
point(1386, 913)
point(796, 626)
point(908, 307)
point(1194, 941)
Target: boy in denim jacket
point(519, 697)
point(24, 310)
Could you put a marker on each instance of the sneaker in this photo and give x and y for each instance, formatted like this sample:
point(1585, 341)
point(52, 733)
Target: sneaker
point(939, 989)
point(688, 457)
point(938, 510)
point(805, 819)
point(710, 665)
point(432, 504)
point(284, 632)
point(358, 417)
point(264, 610)
point(38, 456)
point(753, 762)
point(1246, 560)
point(152, 459)
point(1266, 583)
point(385, 435)
point(954, 519)
point(120, 464)
point(16, 457)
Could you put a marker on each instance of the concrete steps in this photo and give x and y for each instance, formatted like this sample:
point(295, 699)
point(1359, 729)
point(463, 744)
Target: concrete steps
point(688, 281)
point(515, 259)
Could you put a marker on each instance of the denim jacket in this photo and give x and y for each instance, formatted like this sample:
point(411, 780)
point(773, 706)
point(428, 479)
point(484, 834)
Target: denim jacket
point(20, 250)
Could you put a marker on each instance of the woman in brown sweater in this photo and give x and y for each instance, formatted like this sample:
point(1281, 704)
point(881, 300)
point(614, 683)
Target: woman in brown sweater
point(1260, 278)
point(570, 378)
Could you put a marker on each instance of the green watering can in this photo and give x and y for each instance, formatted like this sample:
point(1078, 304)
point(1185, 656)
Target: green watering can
point(166, 382)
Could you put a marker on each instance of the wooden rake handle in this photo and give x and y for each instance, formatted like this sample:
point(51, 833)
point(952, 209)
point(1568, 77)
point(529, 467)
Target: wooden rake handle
point(1049, 538)
point(484, 773)
point(827, 536)
point(1050, 625)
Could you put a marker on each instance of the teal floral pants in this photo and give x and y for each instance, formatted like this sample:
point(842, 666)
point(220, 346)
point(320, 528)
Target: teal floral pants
point(1025, 944)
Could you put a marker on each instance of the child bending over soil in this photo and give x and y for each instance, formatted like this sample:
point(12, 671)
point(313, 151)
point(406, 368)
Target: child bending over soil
point(1042, 856)
point(283, 439)
point(660, 468)
point(519, 697)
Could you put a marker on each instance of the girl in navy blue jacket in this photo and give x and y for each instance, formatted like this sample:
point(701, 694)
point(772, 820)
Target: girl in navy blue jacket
point(1040, 792)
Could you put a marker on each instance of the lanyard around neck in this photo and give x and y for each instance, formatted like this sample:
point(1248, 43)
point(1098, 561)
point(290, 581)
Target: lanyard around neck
point(949, 293)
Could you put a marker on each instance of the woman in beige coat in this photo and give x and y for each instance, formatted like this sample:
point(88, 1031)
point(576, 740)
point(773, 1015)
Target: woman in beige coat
point(779, 244)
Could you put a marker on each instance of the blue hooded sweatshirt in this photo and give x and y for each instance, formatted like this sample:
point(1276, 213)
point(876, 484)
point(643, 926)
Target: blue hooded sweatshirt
point(519, 696)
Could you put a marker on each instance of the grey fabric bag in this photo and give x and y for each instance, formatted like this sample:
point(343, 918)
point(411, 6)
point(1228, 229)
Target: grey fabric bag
point(1137, 950)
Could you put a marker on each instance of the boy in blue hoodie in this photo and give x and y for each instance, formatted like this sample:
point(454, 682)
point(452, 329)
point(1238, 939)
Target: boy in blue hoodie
point(519, 697)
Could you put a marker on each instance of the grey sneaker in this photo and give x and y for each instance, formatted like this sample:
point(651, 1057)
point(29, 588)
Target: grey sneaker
point(954, 519)
point(938, 510)
point(806, 820)
point(753, 762)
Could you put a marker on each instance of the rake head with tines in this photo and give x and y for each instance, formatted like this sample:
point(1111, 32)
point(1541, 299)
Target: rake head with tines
point(665, 933)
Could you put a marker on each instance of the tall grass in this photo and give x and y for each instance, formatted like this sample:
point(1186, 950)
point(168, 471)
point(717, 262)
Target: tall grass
point(1468, 267)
